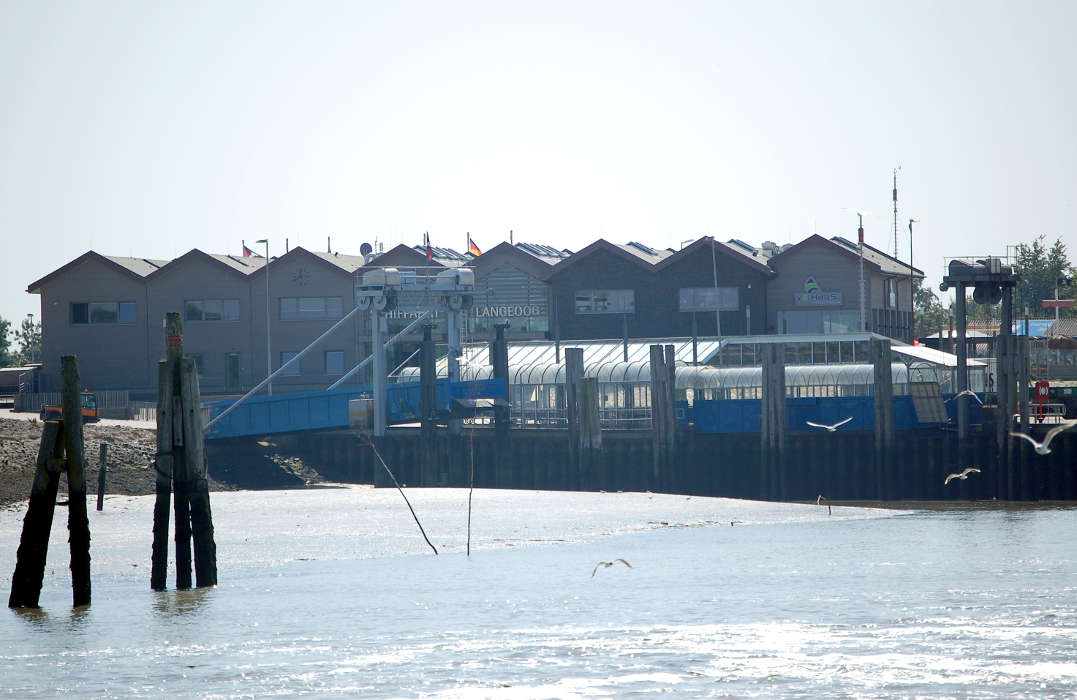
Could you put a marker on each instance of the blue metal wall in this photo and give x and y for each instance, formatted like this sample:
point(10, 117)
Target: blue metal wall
point(743, 415)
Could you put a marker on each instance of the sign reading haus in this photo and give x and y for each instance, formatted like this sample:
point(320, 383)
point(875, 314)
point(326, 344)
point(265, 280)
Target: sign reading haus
point(814, 296)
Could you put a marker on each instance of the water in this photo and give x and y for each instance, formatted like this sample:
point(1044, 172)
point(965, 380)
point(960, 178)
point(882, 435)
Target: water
point(333, 592)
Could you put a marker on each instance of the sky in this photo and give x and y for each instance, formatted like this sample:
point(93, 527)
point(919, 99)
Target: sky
point(147, 129)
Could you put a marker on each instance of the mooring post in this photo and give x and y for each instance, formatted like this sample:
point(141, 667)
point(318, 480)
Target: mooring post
point(78, 524)
point(499, 355)
point(1005, 382)
point(1023, 385)
point(163, 463)
point(428, 405)
point(37, 524)
point(590, 433)
point(196, 472)
point(772, 418)
point(670, 411)
point(573, 374)
point(659, 377)
point(884, 417)
point(101, 468)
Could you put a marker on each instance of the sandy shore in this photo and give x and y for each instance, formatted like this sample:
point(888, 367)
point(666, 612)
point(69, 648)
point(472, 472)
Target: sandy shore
point(130, 458)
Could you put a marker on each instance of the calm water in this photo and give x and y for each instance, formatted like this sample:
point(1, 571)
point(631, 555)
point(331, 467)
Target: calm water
point(332, 592)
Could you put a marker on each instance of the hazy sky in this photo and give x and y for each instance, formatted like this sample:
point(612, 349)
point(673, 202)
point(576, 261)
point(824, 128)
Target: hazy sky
point(148, 129)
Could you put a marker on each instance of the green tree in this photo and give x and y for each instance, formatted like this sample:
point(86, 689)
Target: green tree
point(5, 342)
point(29, 339)
point(930, 313)
point(1040, 269)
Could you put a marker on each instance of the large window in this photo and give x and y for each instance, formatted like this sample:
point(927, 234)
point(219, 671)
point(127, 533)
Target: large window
point(294, 369)
point(311, 308)
point(103, 312)
point(334, 362)
point(605, 301)
point(211, 310)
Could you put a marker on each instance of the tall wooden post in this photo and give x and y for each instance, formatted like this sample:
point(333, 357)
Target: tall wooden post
point(772, 418)
point(1005, 383)
point(181, 460)
point(884, 417)
point(163, 463)
point(78, 524)
point(660, 422)
point(102, 468)
point(962, 367)
point(573, 374)
point(499, 358)
point(427, 404)
point(37, 524)
point(590, 432)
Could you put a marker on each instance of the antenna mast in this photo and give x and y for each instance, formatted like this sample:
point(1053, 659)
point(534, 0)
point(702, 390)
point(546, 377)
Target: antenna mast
point(895, 212)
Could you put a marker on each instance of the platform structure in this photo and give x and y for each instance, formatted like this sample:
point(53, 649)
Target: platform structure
point(423, 290)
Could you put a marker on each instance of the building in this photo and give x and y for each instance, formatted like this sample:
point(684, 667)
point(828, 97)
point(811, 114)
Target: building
point(816, 289)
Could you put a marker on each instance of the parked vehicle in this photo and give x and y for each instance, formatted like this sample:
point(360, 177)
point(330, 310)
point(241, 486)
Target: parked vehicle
point(89, 409)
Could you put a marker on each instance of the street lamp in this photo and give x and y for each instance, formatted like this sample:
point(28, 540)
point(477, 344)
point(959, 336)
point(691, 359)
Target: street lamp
point(912, 292)
point(269, 361)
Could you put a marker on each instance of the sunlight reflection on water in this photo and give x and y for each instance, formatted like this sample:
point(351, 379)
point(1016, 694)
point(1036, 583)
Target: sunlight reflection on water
point(334, 592)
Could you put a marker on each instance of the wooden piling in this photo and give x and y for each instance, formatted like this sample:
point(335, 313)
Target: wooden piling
point(772, 419)
point(573, 374)
point(102, 463)
point(196, 472)
point(163, 464)
point(428, 401)
point(884, 417)
point(181, 462)
point(78, 524)
point(37, 524)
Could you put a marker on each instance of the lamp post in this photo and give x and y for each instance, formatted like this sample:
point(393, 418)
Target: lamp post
point(269, 356)
point(912, 291)
point(30, 340)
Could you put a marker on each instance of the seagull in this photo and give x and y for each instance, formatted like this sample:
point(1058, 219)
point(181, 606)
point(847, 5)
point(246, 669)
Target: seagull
point(608, 564)
point(966, 392)
point(961, 475)
point(819, 501)
point(1042, 447)
point(829, 428)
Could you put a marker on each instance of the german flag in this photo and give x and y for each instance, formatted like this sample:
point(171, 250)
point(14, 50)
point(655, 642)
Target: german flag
point(472, 248)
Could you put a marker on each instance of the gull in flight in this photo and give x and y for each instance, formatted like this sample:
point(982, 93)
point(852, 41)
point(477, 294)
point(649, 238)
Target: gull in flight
point(1042, 448)
point(961, 475)
point(608, 564)
point(966, 392)
point(829, 428)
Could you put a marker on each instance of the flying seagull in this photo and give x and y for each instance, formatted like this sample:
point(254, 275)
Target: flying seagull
point(966, 392)
point(1042, 447)
point(608, 564)
point(829, 428)
point(961, 475)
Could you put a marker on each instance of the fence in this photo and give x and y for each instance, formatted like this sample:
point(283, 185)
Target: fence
point(110, 404)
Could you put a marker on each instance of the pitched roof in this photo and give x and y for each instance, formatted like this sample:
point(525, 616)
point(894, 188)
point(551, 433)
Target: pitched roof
point(887, 263)
point(224, 261)
point(602, 245)
point(506, 253)
point(735, 252)
point(545, 253)
point(1065, 327)
point(136, 268)
point(816, 239)
point(645, 252)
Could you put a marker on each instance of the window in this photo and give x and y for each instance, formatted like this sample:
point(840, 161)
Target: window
point(334, 362)
point(103, 312)
point(211, 310)
point(294, 369)
point(605, 301)
point(310, 308)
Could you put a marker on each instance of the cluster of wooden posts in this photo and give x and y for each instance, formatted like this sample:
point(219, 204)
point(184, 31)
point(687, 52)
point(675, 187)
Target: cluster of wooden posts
point(180, 467)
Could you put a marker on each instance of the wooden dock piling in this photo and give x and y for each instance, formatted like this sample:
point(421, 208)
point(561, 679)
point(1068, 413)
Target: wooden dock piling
point(181, 465)
point(61, 450)
point(102, 468)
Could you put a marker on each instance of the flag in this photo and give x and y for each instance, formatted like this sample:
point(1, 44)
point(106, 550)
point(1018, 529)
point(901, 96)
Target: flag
point(248, 253)
point(471, 247)
point(429, 250)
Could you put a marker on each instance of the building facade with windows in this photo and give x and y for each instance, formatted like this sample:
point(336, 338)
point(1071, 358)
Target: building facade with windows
point(816, 289)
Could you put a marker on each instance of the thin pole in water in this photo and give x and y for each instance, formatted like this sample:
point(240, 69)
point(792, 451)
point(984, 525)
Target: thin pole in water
point(390, 472)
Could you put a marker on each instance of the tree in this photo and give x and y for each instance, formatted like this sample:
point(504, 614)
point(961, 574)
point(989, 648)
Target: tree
point(5, 342)
point(1040, 269)
point(29, 338)
point(930, 313)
